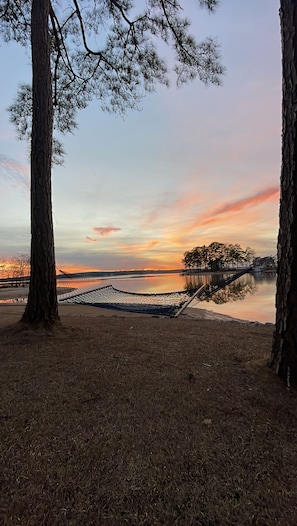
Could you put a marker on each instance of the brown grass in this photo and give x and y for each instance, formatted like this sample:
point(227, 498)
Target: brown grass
point(145, 421)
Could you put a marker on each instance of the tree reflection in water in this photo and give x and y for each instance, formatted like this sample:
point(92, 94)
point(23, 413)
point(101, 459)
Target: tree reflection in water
point(235, 291)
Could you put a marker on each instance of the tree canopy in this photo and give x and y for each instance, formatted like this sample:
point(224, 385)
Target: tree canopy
point(217, 256)
point(108, 51)
point(84, 50)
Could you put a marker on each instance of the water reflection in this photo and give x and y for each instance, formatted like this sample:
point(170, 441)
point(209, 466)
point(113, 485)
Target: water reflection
point(149, 284)
point(256, 294)
point(235, 291)
point(232, 292)
point(193, 281)
point(251, 297)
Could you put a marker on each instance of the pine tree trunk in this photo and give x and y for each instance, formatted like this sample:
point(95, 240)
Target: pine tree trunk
point(284, 351)
point(42, 306)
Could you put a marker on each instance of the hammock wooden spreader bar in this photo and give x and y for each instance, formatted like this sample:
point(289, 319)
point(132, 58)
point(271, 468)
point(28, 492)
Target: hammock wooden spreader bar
point(187, 303)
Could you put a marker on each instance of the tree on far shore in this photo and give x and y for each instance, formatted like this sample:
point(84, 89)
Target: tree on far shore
point(217, 256)
point(15, 269)
point(68, 72)
point(19, 269)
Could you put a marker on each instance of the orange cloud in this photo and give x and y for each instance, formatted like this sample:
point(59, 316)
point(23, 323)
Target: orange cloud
point(226, 211)
point(152, 244)
point(105, 230)
point(253, 219)
point(236, 206)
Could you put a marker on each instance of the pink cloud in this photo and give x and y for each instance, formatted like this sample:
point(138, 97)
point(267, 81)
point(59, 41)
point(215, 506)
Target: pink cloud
point(13, 172)
point(152, 244)
point(226, 211)
point(105, 230)
point(235, 206)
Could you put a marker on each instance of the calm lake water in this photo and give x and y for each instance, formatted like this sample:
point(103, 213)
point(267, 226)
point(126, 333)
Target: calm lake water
point(251, 297)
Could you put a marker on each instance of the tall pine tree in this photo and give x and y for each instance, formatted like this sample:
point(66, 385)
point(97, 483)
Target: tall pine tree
point(284, 351)
point(68, 72)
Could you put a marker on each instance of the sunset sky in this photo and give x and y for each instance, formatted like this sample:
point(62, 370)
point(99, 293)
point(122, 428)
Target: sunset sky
point(197, 164)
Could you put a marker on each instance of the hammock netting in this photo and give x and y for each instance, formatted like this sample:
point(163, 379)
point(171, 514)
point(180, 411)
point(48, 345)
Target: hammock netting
point(166, 304)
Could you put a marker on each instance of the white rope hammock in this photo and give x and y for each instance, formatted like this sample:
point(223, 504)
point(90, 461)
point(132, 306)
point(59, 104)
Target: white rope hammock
point(166, 303)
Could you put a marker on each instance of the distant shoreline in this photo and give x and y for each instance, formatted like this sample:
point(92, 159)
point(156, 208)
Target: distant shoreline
point(64, 276)
point(18, 282)
point(19, 293)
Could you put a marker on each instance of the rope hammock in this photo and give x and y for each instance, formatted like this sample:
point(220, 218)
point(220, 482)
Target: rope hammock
point(166, 304)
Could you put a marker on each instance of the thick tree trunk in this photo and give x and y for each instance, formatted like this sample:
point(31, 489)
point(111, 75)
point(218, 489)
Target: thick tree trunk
point(284, 351)
point(42, 307)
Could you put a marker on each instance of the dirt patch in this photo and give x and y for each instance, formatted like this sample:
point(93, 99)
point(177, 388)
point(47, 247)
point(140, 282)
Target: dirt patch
point(140, 420)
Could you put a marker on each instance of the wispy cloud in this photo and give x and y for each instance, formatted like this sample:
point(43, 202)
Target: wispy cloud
point(152, 244)
point(170, 206)
point(228, 210)
point(105, 230)
point(13, 172)
point(91, 239)
point(240, 204)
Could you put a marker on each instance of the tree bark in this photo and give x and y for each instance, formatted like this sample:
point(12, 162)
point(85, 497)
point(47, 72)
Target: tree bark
point(284, 349)
point(42, 306)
